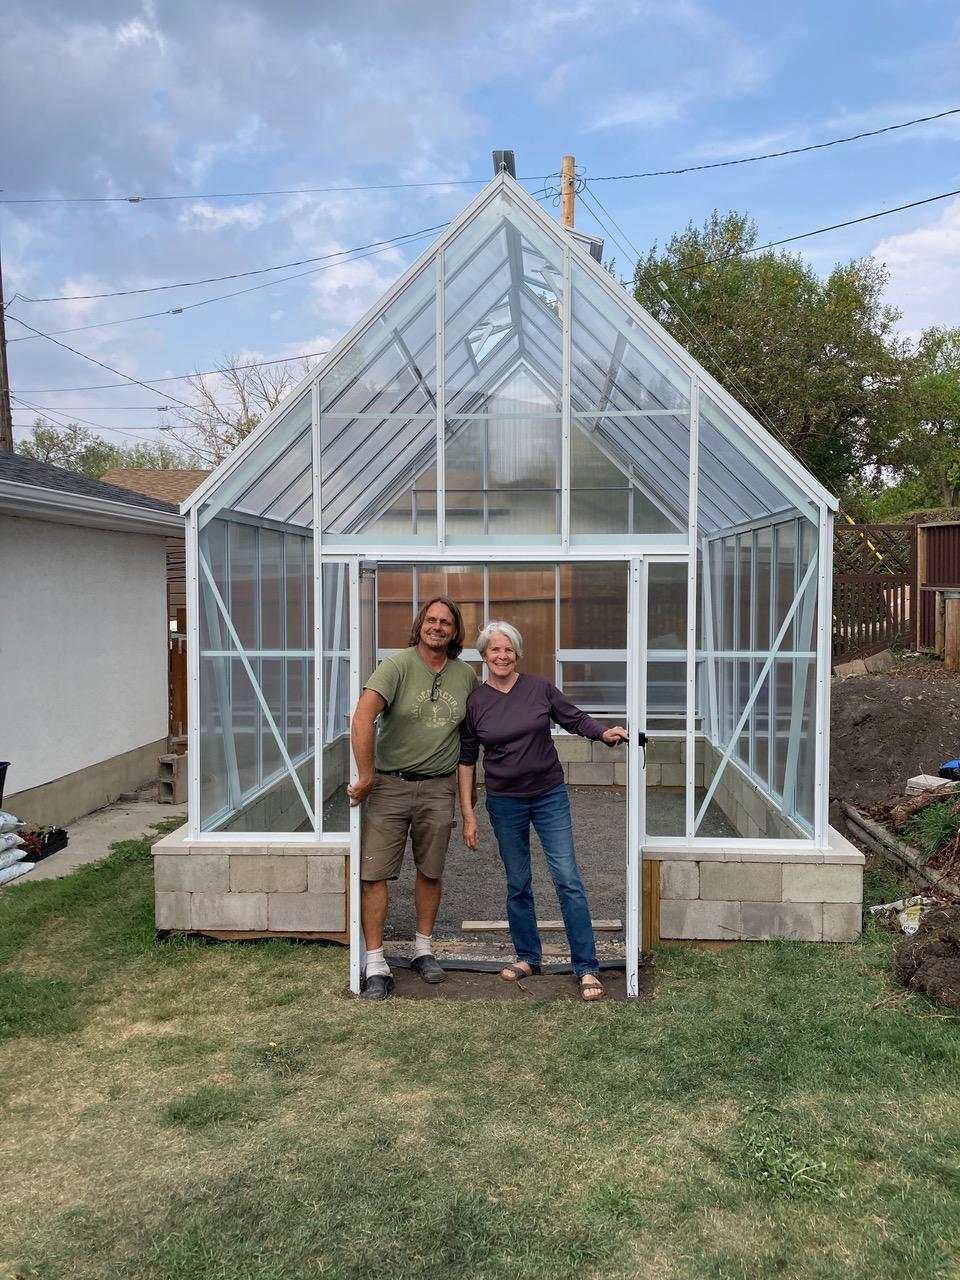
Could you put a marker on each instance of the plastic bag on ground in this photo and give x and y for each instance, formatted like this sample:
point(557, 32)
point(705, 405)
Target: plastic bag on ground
point(8, 822)
point(908, 911)
point(11, 841)
point(10, 856)
point(18, 869)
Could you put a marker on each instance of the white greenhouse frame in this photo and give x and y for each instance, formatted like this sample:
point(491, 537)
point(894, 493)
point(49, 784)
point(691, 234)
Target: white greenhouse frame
point(728, 669)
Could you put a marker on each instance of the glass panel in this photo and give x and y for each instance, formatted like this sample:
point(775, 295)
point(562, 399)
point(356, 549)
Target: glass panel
point(461, 584)
point(667, 606)
point(335, 697)
point(213, 553)
point(618, 371)
point(379, 476)
point(764, 577)
point(281, 458)
point(394, 605)
point(524, 595)
point(748, 591)
point(666, 695)
point(593, 606)
point(271, 590)
point(597, 687)
point(737, 482)
point(378, 423)
point(244, 583)
point(214, 777)
point(616, 363)
point(287, 483)
point(502, 299)
point(391, 367)
point(786, 544)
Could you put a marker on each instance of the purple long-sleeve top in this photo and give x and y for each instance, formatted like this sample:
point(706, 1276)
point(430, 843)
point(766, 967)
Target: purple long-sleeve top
point(519, 758)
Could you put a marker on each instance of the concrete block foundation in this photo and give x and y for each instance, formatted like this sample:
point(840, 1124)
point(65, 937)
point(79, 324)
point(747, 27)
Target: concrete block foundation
point(748, 895)
point(246, 891)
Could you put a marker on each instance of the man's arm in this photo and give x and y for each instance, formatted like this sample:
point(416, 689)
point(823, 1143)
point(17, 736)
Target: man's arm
point(362, 737)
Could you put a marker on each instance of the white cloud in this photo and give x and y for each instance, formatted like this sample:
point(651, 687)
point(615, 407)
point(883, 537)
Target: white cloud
point(924, 267)
point(657, 107)
point(204, 216)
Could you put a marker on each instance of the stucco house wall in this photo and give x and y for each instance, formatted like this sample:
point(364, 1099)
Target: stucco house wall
point(83, 641)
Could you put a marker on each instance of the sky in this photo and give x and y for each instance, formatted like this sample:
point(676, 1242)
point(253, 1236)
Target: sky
point(223, 104)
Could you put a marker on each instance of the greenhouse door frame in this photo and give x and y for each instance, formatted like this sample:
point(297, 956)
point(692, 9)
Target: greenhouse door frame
point(363, 648)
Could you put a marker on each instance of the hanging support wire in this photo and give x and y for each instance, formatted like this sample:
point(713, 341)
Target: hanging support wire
point(755, 692)
point(258, 692)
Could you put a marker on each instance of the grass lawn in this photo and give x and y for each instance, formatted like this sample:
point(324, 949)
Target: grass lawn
point(182, 1110)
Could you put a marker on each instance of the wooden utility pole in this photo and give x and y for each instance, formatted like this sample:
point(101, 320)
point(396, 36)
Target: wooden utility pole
point(568, 184)
point(6, 418)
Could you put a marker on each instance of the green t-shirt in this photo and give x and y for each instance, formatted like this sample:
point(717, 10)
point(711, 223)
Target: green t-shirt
point(415, 733)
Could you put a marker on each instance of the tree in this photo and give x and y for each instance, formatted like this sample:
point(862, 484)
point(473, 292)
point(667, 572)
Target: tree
point(930, 450)
point(816, 360)
point(78, 449)
point(231, 402)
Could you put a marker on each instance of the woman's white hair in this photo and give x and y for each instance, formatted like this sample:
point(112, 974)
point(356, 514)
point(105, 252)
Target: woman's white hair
point(505, 629)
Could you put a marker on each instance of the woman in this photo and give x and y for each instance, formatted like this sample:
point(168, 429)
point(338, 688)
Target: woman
point(509, 716)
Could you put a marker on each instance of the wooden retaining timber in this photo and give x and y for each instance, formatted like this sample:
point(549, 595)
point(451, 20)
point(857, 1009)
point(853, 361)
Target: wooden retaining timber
point(879, 839)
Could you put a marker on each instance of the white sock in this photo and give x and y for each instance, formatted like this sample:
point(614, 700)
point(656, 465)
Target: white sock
point(423, 945)
point(376, 963)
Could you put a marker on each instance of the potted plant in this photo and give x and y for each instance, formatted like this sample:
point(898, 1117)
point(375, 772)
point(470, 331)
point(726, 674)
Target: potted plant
point(40, 841)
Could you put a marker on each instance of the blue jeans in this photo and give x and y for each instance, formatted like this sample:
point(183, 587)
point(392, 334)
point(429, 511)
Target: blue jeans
point(511, 817)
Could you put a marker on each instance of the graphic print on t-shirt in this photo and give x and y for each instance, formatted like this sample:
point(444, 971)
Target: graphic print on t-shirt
point(437, 714)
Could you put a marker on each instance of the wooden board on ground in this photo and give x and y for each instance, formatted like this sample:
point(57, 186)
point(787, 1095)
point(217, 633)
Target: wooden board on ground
point(545, 926)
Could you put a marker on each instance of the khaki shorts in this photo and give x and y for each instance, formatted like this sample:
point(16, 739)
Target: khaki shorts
point(394, 808)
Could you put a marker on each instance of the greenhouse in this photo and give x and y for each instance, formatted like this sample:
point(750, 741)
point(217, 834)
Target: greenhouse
point(508, 427)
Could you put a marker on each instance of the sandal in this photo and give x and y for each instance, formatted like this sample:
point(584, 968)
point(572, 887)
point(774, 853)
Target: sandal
point(517, 971)
point(591, 991)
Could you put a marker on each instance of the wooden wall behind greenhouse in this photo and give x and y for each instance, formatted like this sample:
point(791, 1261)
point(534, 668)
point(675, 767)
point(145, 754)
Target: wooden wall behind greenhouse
point(938, 556)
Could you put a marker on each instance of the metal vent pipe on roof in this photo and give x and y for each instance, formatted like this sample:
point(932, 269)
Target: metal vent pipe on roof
point(504, 160)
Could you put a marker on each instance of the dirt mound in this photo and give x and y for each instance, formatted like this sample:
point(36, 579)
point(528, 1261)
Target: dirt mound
point(888, 727)
point(929, 960)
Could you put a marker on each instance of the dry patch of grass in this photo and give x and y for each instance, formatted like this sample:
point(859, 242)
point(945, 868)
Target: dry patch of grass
point(193, 1111)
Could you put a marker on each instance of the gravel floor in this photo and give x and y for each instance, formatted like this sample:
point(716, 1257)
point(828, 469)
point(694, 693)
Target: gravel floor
point(473, 885)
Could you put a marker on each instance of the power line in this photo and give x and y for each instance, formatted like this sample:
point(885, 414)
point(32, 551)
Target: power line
point(58, 421)
point(774, 155)
point(836, 226)
point(205, 302)
point(699, 337)
point(109, 368)
point(247, 195)
point(173, 377)
point(235, 275)
point(467, 182)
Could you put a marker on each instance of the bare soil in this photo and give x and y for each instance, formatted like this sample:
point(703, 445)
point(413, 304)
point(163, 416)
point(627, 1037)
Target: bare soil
point(929, 960)
point(462, 985)
point(888, 727)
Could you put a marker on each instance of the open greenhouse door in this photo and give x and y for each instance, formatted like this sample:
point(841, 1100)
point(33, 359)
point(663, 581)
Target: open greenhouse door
point(636, 758)
point(363, 659)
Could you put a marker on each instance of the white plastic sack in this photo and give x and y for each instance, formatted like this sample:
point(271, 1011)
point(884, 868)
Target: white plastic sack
point(10, 841)
point(9, 857)
point(8, 822)
point(18, 869)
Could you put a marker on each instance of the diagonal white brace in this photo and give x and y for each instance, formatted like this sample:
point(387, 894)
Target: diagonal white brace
point(258, 692)
point(755, 692)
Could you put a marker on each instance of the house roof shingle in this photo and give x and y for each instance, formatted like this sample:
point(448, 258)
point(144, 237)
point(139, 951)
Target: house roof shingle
point(173, 485)
point(42, 475)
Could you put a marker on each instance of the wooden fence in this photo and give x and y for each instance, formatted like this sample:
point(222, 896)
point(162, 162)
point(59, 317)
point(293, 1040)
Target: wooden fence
point(874, 588)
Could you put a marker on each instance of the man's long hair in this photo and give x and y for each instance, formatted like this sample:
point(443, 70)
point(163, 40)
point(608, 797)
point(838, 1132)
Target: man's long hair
point(455, 647)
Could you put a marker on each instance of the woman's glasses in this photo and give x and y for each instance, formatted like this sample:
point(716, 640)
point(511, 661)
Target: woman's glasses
point(435, 688)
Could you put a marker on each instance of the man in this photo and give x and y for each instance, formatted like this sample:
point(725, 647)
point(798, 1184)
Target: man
point(420, 695)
